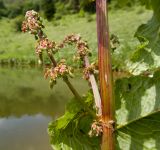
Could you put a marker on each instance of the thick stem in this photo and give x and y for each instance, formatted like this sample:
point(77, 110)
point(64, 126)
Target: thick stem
point(95, 89)
point(105, 73)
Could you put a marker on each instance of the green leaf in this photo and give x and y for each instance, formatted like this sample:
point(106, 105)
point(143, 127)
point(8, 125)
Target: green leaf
point(138, 113)
point(140, 135)
point(70, 132)
point(148, 57)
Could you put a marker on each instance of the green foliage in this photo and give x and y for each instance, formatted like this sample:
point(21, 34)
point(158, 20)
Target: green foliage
point(31, 5)
point(14, 10)
point(48, 8)
point(137, 112)
point(147, 55)
point(137, 98)
point(131, 2)
point(2, 6)
point(67, 7)
point(18, 8)
point(3, 11)
point(71, 130)
point(74, 6)
point(88, 5)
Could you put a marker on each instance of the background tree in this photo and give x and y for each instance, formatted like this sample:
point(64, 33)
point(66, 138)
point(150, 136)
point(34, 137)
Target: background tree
point(48, 7)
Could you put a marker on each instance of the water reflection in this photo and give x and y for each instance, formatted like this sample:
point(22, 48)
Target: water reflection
point(27, 133)
point(26, 107)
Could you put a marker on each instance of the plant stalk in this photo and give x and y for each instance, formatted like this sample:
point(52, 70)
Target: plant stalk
point(73, 90)
point(105, 73)
point(54, 63)
point(95, 89)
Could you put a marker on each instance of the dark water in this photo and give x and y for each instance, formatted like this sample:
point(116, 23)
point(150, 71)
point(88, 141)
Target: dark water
point(27, 105)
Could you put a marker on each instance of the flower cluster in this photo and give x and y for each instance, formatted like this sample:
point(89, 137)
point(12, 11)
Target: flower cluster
point(82, 46)
point(96, 129)
point(72, 38)
point(83, 49)
point(61, 70)
point(32, 22)
point(91, 69)
point(98, 125)
point(44, 44)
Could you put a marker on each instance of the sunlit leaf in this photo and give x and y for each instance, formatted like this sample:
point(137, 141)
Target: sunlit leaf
point(148, 57)
point(138, 113)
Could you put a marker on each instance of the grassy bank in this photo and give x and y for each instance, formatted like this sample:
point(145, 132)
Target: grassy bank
point(20, 47)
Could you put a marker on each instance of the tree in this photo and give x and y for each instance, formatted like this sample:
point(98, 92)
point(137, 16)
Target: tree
point(3, 10)
point(48, 7)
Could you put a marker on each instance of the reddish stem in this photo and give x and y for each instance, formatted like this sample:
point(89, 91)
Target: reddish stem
point(105, 73)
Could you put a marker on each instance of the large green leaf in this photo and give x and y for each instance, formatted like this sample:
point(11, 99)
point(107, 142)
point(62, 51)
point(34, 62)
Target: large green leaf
point(147, 58)
point(138, 113)
point(70, 132)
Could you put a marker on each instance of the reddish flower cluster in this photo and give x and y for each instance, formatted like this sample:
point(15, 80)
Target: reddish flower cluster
point(96, 129)
point(83, 49)
point(60, 70)
point(32, 22)
point(44, 44)
point(82, 46)
point(72, 38)
point(89, 70)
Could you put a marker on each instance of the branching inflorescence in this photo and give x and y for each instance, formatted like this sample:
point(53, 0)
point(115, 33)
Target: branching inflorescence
point(33, 25)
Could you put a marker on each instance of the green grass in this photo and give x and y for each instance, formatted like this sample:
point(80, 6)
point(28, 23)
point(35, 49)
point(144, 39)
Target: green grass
point(123, 23)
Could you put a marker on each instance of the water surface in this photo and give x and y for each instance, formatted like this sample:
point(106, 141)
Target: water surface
point(27, 105)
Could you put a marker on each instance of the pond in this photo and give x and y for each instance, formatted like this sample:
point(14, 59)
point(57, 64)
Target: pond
point(27, 105)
